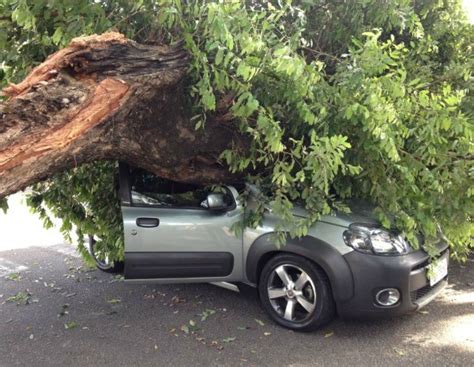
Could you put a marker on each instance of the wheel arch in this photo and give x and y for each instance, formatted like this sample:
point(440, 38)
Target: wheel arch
point(311, 248)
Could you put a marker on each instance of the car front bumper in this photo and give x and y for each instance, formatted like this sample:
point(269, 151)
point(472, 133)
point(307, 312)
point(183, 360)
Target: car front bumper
point(406, 273)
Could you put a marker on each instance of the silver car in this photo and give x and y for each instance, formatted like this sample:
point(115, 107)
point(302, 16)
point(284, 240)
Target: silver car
point(346, 265)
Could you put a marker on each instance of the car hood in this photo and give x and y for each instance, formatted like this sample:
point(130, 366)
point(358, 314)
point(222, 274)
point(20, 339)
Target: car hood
point(361, 212)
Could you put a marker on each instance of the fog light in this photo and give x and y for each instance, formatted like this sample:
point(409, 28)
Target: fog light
point(387, 297)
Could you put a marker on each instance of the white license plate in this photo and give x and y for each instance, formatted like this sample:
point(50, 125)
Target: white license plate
point(440, 270)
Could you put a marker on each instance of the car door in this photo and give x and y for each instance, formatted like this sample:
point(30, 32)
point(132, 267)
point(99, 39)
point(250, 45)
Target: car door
point(171, 237)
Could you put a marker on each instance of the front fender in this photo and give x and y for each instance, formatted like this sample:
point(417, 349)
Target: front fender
point(320, 252)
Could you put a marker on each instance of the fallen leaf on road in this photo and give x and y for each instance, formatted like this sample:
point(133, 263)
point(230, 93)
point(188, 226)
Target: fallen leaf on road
point(267, 333)
point(424, 312)
point(399, 352)
point(190, 328)
point(21, 298)
point(114, 301)
point(177, 300)
point(328, 335)
point(63, 313)
point(87, 269)
point(206, 313)
point(260, 322)
point(64, 310)
point(228, 340)
point(243, 327)
point(13, 277)
point(70, 325)
point(117, 278)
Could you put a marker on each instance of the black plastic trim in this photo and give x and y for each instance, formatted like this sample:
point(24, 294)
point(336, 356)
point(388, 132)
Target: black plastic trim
point(373, 273)
point(149, 265)
point(124, 184)
point(146, 222)
point(323, 254)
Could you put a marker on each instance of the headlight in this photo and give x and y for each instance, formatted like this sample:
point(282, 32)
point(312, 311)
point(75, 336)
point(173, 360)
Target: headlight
point(373, 240)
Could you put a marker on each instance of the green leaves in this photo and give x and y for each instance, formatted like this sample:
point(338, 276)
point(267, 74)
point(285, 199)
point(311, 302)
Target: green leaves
point(190, 327)
point(57, 36)
point(71, 325)
point(23, 16)
point(4, 205)
point(21, 298)
point(378, 126)
point(206, 313)
point(14, 277)
point(77, 197)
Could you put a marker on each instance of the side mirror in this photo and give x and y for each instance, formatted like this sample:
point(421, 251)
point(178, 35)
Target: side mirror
point(216, 201)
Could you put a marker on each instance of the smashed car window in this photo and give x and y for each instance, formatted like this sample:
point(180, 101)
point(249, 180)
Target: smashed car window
point(148, 189)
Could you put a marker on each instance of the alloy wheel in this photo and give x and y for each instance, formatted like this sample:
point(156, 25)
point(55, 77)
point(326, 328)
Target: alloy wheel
point(291, 292)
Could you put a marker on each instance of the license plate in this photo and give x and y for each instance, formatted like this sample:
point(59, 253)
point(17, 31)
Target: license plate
point(439, 271)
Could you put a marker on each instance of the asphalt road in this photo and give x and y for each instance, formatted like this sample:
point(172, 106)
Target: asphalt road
point(78, 316)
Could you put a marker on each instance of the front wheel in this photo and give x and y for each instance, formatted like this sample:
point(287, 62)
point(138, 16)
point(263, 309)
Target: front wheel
point(102, 260)
point(296, 293)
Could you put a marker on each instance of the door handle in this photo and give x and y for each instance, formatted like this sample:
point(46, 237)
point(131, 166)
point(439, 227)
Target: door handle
point(148, 222)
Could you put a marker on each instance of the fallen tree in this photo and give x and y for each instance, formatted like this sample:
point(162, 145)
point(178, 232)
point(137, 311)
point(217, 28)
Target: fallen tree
point(310, 109)
point(106, 98)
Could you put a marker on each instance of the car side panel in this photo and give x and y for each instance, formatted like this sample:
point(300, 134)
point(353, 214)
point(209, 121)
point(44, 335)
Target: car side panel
point(324, 255)
point(323, 245)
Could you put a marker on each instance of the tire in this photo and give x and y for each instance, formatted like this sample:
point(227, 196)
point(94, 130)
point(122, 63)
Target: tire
point(104, 264)
point(312, 304)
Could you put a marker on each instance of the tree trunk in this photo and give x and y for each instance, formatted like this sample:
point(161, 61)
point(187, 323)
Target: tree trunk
point(107, 98)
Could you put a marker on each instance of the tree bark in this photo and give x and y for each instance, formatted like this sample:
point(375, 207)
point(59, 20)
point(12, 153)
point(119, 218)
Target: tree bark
point(107, 98)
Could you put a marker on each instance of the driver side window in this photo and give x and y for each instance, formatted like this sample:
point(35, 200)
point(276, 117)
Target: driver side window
point(150, 190)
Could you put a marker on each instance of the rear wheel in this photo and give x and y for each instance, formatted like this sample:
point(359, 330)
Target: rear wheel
point(102, 260)
point(296, 293)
